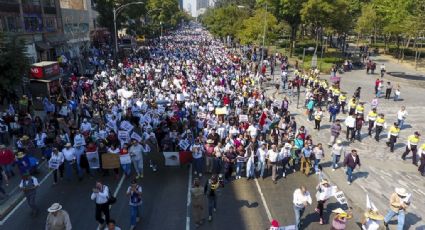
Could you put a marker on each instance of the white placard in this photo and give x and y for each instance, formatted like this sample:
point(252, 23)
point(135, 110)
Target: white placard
point(93, 159)
point(126, 126)
point(340, 197)
point(53, 164)
point(171, 158)
point(125, 159)
point(110, 124)
point(243, 118)
point(184, 144)
point(136, 136)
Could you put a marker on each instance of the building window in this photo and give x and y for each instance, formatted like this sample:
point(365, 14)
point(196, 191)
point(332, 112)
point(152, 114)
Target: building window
point(31, 2)
point(33, 24)
point(13, 24)
point(50, 24)
point(50, 3)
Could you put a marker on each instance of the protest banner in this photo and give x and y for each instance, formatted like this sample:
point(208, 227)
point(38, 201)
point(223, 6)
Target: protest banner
point(93, 159)
point(110, 161)
point(184, 144)
point(136, 136)
point(221, 111)
point(123, 135)
point(125, 159)
point(340, 197)
point(54, 164)
point(243, 118)
point(171, 158)
point(125, 125)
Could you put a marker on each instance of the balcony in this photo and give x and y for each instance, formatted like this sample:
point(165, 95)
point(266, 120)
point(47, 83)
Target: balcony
point(50, 10)
point(31, 9)
point(10, 7)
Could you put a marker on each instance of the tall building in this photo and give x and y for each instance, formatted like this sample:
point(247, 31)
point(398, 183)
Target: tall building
point(39, 22)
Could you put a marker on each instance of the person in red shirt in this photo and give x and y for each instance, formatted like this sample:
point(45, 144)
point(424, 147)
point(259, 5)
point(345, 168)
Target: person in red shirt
point(377, 82)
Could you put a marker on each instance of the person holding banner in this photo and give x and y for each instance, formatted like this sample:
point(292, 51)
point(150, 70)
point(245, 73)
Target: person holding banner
point(125, 160)
point(56, 164)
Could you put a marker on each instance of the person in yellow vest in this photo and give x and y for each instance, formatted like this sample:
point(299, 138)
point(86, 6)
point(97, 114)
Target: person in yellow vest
point(360, 109)
point(371, 118)
point(379, 125)
point(342, 101)
point(392, 136)
point(421, 154)
point(352, 104)
point(412, 145)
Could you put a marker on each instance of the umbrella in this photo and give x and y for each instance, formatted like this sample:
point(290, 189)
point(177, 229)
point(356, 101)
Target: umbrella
point(6, 156)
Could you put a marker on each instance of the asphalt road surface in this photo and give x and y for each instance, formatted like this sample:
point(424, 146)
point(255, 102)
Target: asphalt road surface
point(240, 205)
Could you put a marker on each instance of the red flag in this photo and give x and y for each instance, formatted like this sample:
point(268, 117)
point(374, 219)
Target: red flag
point(263, 119)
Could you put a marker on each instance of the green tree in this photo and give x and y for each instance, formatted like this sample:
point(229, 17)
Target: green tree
point(368, 22)
point(252, 30)
point(290, 11)
point(14, 62)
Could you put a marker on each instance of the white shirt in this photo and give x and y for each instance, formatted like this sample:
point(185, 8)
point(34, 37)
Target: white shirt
point(350, 122)
point(34, 181)
point(262, 154)
point(69, 154)
point(300, 198)
point(57, 158)
point(371, 225)
point(272, 155)
point(401, 114)
point(85, 127)
point(101, 197)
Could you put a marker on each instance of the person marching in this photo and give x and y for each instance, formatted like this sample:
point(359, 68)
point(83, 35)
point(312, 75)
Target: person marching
point(339, 221)
point(197, 194)
point(371, 117)
point(342, 101)
point(134, 192)
point(29, 185)
point(399, 202)
point(57, 219)
point(379, 125)
point(421, 154)
point(392, 136)
point(372, 220)
point(322, 196)
point(301, 199)
point(210, 189)
point(412, 145)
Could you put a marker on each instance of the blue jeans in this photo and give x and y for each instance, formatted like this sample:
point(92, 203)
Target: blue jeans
point(260, 167)
point(316, 165)
point(68, 170)
point(239, 166)
point(400, 218)
point(126, 168)
point(349, 174)
point(335, 160)
point(138, 166)
point(134, 213)
point(400, 123)
point(197, 165)
point(298, 213)
point(250, 168)
point(212, 204)
point(332, 118)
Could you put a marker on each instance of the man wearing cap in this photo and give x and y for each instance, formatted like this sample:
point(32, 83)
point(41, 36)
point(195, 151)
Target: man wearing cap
point(392, 136)
point(412, 145)
point(399, 202)
point(300, 200)
point(57, 219)
point(371, 118)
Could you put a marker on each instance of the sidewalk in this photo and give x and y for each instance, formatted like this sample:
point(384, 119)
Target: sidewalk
point(381, 171)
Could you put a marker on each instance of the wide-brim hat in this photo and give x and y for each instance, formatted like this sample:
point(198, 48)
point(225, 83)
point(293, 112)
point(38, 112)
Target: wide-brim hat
point(338, 141)
point(68, 144)
point(55, 207)
point(25, 137)
point(210, 141)
point(339, 211)
point(401, 191)
point(374, 215)
point(324, 181)
point(20, 155)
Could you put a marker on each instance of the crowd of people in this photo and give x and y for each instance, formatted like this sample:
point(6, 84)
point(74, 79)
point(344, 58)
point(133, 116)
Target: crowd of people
point(193, 95)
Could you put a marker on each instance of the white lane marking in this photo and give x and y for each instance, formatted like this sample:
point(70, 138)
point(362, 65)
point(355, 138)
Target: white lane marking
point(269, 215)
point(189, 199)
point(23, 200)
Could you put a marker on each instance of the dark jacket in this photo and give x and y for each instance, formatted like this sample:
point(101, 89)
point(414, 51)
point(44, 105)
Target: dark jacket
point(350, 162)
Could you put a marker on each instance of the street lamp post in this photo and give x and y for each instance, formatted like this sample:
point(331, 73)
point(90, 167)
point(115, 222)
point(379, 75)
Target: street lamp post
point(116, 11)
